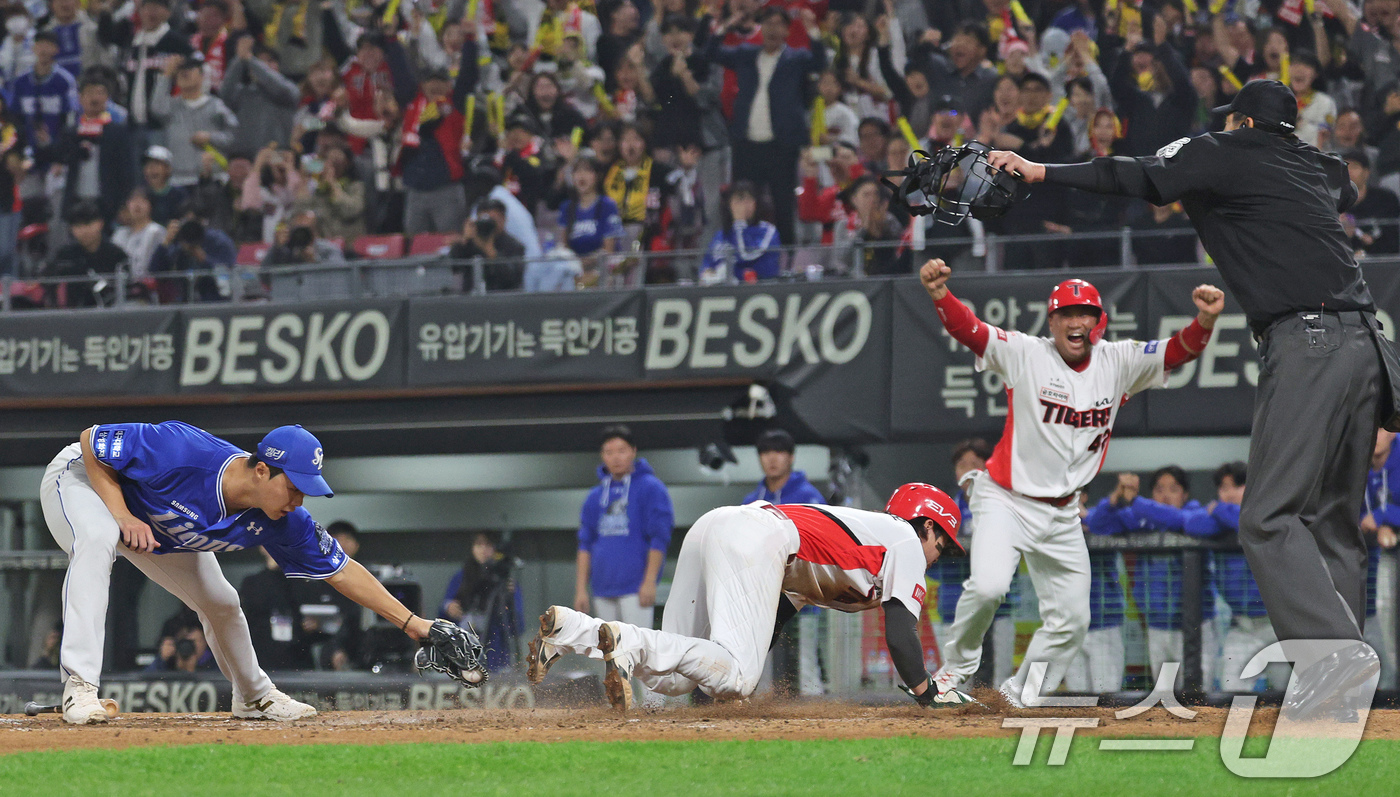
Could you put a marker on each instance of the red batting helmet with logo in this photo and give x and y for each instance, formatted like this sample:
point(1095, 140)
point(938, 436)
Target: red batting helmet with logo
point(919, 500)
point(1078, 293)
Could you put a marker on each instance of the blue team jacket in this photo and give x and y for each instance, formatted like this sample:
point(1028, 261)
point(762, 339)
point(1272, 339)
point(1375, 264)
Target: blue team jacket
point(1233, 579)
point(797, 490)
point(621, 520)
point(751, 247)
point(1156, 577)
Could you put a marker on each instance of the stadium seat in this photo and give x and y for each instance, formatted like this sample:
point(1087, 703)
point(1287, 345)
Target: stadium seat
point(252, 254)
point(430, 243)
point(379, 247)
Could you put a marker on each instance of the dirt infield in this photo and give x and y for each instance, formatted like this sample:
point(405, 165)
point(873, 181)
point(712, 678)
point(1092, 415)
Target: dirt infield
point(757, 720)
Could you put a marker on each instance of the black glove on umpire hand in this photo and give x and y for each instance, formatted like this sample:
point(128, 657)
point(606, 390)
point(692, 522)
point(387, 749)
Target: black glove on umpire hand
point(453, 651)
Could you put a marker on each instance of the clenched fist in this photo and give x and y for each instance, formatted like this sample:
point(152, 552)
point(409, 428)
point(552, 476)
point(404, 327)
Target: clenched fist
point(934, 275)
point(1210, 303)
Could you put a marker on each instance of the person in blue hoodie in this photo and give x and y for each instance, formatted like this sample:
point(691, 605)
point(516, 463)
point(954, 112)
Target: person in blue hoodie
point(1380, 519)
point(744, 249)
point(1157, 577)
point(1098, 667)
point(624, 530)
point(1249, 631)
point(783, 485)
point(970, 455)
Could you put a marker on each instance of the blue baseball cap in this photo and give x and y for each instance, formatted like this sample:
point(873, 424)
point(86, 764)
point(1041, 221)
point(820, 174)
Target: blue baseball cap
point(298, 453)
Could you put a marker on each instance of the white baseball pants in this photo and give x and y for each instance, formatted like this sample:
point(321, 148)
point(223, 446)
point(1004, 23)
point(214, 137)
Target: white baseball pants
point(84, 528)
point(628, 609)
point(1164, 645)
point(1245, 637)
point(1003, 645)
point(1380, 628)
point(1010, 526)
point(624, 608)
point(719, 617)
point(1098, 667)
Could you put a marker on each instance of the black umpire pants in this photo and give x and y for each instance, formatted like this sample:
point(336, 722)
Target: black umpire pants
point(772, 165)
point(1315, 420)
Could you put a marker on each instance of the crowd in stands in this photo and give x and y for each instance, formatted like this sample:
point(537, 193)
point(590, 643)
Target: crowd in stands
point(565, 137)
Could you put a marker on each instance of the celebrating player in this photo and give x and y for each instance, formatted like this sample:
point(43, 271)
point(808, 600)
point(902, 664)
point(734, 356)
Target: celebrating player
point(1063, 393)
point(167, 497)
point(745, 570)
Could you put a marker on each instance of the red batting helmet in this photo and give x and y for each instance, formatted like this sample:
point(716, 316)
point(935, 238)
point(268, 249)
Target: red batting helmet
point(1078, 293)
point(919, 500)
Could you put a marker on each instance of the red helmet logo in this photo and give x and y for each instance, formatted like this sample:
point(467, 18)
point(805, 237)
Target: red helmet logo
point(1078, 293)
point(919, 500)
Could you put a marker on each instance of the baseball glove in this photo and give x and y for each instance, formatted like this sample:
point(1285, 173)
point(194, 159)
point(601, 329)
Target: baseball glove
point(453, 651)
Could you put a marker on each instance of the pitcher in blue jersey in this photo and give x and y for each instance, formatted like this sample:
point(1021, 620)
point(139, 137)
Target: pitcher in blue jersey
point(169, 496)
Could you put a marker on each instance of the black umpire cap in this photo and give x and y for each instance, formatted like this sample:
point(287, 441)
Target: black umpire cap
point(1269, 103)
point(775, 440)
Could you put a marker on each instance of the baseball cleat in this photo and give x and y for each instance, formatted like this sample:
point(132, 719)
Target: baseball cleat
point(80, 703)
point(945, 680)
point(952, 698)
point(617, 677)
point(542, 655)
point(1009, 693)
point(275, 705)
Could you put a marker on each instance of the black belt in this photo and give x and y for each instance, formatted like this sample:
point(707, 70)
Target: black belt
point(1358, 317)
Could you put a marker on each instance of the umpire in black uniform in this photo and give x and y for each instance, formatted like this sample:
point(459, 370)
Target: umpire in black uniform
point(1266, 208)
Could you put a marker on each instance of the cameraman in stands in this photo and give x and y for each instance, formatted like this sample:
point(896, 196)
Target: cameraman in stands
point(486, 237)
point(89, 255)
point(303, 245)
point(484, 596)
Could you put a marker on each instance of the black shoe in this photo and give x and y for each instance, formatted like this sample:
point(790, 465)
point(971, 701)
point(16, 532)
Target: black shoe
point(1324, 685)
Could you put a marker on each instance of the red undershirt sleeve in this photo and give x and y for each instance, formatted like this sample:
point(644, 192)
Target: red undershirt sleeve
point(962, 324)
point(1187, 345)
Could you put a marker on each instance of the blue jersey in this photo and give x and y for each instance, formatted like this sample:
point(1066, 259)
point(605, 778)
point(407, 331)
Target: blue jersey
point(1157, 577)
point(47, 102)
point(745, 248)
point(70, 46)
point(591, 225)
point(1234, 581)
point(171, 476)
point(797, 490)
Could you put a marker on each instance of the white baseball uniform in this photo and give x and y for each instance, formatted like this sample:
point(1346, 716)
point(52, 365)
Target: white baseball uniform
point(1058, 424)
point(735, 564)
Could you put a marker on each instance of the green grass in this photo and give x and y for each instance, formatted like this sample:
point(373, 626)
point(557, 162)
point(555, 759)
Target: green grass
point(861, 768)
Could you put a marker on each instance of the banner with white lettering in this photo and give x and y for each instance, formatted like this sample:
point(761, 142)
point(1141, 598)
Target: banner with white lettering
point(559, 338)
point(67, 353)
point(826, 344)
point(1213, 394)
point(195, 693)
point(258, 348)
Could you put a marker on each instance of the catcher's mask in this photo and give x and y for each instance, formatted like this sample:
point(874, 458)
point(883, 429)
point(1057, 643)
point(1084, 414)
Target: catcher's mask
point(977, 188)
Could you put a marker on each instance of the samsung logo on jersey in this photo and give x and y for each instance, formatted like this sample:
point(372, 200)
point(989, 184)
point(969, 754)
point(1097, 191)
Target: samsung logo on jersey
point(193, 514)
point(1150, 347)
